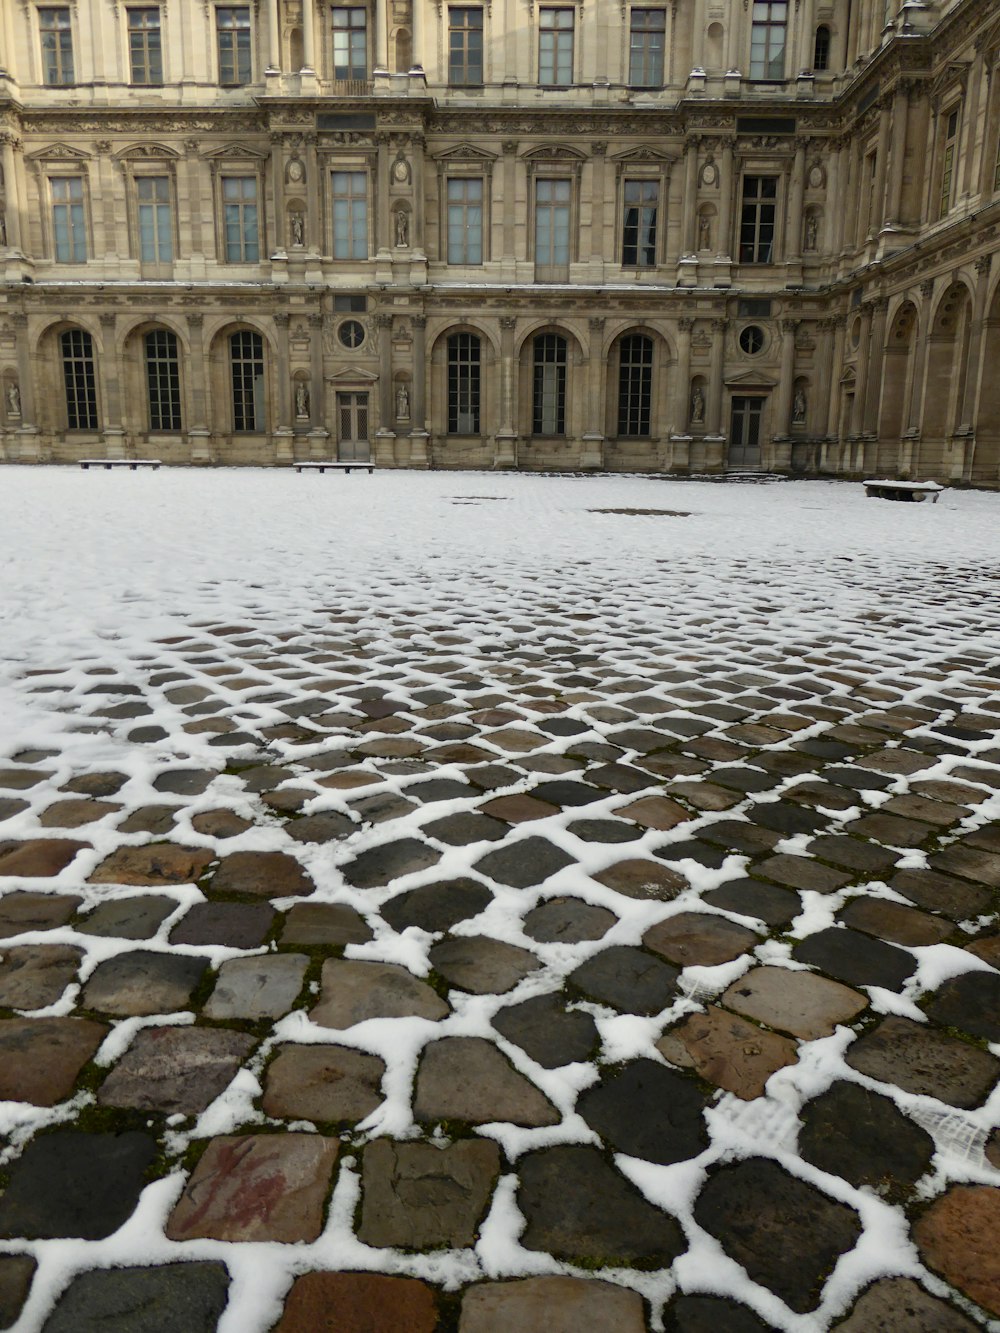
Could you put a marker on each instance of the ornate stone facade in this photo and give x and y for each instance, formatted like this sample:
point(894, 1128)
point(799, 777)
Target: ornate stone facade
point(684, 236)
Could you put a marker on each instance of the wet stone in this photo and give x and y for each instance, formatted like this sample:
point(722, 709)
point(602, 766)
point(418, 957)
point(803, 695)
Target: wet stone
point(265, 986)
point(358, 1303)
point(468, 1079)
point(861, 1136)
point(654, 812)
point(488, 777)
point(257, 1187)
point(799, 872)
point(747, 780)
point(40, 1058)
point(551, 1305)
point(921, 1060)
point(262, 875)
point(16, 1273)
point(710, 1314)
point(518, 809)
point(184, 781)
point(156, 820)
point(141, 982)
point(176, 1070)
point(577, 1207)
point(524, 863)
point(801, 1003)
point(740, 836)
point(38, 858)
point(619, 777)
point(988, 949)
point(892, 921)
point(567, 921)
point(352, 992)
point(440, 789)
point(727, 1051)
point(75, 813)
point(699, 939)
point(693, 849)
point(323, 1083)
point(647, 1111)
point(482, 965)
point(11, 806)
point(158, 863)
point(417, 1196)
point(752, 897)
point(21, 779)
point(706, 795)
point(188, 1296)
point(638, 878)
point(786, 1234)
point(970, 1002)
point(856, 959)
point(934, 892)
point(787, 818)
point(853, 854)
point(891, 829)
point(966, 861)
point(628, 979)
point(957, 1237)
point(899, 1305)
point(381, 865)
point(464, 829)
point(547, 1031)
point(382, 806)
point(238, 925)
point(289, 800)
point(20, 912)
point(325, 923)
point(35, 975)
point(566, 793)
point(68, 1184)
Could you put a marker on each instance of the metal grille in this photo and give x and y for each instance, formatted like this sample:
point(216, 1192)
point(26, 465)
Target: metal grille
point(548, 408)
point(635, 385)
point(246, 352)
point(80, 377)
point(163, 380)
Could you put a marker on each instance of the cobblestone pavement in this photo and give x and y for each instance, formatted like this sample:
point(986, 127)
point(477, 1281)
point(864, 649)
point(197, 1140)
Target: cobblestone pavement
point(579, 958)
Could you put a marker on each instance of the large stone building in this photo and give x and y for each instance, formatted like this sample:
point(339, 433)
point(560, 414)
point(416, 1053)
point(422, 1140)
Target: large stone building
point(672, 235)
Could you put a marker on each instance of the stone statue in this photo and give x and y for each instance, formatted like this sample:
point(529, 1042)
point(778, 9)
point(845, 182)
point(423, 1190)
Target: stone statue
point(14, 399)
point(704, 232)
point(402, 229)
point(812, 231)
point(402, 403)
point(697, 406)
point(799, 407)
point(301, 399)
point(298, 224)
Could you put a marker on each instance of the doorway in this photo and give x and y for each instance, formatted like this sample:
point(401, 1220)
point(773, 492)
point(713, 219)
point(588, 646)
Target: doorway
point(744, 436)
point(352, 428)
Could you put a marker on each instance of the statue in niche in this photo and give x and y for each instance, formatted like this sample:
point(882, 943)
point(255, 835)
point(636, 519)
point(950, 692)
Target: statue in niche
point(298, 226)
point(709, 172)
point(704, 232)
point(799, 407)
point(812, 231)
point(402, 403)
point(13, 399)
point(302, 400)
point(697, 406)
point(402, 229)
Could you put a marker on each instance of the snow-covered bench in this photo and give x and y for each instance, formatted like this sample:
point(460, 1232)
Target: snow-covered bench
point(328, 465)
point(109, 463)
point(903, 490)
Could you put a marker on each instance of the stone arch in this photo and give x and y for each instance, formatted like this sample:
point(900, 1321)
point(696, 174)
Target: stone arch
point(402, 41)
point(624, 380)
point(229, 399)
point(945, 372)
point(486, 404)
point(897, 371)
point(49, 385)
point(551, 390)
point(985, 466)
point(136, 406)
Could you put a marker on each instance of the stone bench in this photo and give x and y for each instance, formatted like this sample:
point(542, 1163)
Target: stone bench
point(331, 466)
point(109, 463)
point(903, 490)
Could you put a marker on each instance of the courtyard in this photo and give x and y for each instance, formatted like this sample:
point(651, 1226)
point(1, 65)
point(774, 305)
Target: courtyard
point(485, 902)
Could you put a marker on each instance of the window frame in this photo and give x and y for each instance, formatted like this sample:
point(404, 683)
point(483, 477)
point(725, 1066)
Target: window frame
point(59, 47)
point(822, 48)
point(242, 59)
point(637, 179)
point(78, 228)
point(625, 407)
point(649, 54)
point(758, 202)
point(552, 53)
point(150, 52)
point(358, 246)
point(764, 52)
point(463, 260)
point(552, 271)
point(139, 180)
point(540, 390)
point(168, 367)
point(349, 30)
point(84, 392)
point(258, 391)
point(467, 64)
point(464, 382)
point(225, 254)
point(948, 159)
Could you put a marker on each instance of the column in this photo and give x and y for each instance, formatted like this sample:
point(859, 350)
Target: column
point(417, 144)
point(836, 208)
point(193, 215)
point(273, 36)
point(283, 427)
point(318, 433)
point(385, 435)
point(727, 184)
point(698, 36)
point(690, 193)
point(382, 33)
point(382, 194)
point(8, 144)
point(593, 436)
point(308, 37)
point(967, 416)
point(685, 327)
point(508, 251)
point(198, 432)
point(596, 256)
point(506, 442)
point(418, 408)
point(836, 370)
point(793, 249)
point(807, 34)
point(970, 126)
point(915, 415)
point(875, 359)
point(713, 409)
point(881, 162)
point(278, 190)
point(24, 378)
point(315, 241)
point(894, 186)
point(861, 382)
point(786, 379)
point(114, 434)
point(824, 367)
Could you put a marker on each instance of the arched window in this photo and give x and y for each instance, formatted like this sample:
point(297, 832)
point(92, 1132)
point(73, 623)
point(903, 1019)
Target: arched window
point(246, 356)
point(821, 49)
point(80, 378)
point(548, 397)
point(635, 384)
point(464, 358)
point(163, 380)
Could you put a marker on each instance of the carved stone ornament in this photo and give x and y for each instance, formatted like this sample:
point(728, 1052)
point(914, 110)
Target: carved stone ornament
point(400, 169)
point(295, 172)
point(816, 178)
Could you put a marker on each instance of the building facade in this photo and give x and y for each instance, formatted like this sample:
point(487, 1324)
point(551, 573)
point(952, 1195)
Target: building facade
point(650, 235)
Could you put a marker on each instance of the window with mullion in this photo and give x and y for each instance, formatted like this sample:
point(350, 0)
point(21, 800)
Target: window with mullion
point(55, 30)
point(465, 220)
point(948, 163)
point(68, 223)
point(232, 29)
point(79, 379)
point(246, 359)
point(350, 42)
point(635, 385)
point(555, 47)
point(465, 47)
point(767, 39)
point(639, 223)
point(163, 380)
point(156, 243)
point(646, 42)
point(548, 398)
point(464, 359)
point(241, 239)
point(144, 46)
point(350, 214)
point(757, 219)
point(552, 224)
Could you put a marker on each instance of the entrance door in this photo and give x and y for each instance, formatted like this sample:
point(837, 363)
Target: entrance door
point(744, 436)
point(352, 428)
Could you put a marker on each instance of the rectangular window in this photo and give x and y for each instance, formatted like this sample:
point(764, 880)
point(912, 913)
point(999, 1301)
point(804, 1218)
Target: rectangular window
point(767, 39)
point(79, 379)
point(246, 356)
point(145, 51)
point(948, 163)
point(350, 215)
point(232, 34)
point(156, 244)
point(67, 220)
point(552, 224)
point(350, 42)
point(646, 42)
point(354, 304)
point(639, 224)
point(57, 47)
point(463, 384)
point(760, 196)
point(465, 46)
point(163, 380)
point(555, 47)
point(465, 221)
point(548, 398)
point(635, 385)
point(239, 211)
